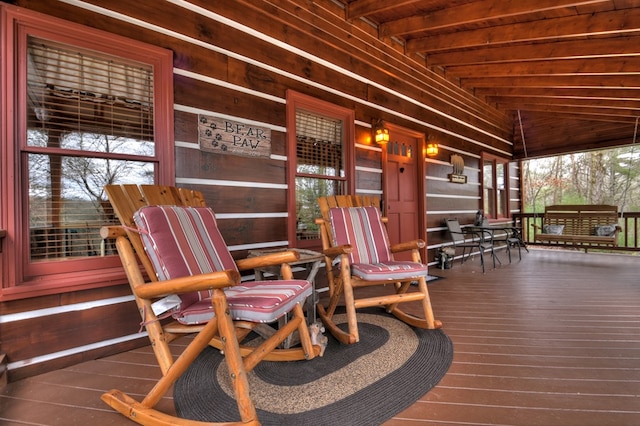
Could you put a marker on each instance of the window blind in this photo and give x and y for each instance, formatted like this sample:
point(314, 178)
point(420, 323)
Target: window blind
point(85, 112)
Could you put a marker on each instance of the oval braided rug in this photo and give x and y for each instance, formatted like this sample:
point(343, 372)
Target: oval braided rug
point(367, 383)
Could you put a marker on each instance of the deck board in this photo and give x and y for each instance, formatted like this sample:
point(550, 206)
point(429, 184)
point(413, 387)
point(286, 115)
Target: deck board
point(551, 340)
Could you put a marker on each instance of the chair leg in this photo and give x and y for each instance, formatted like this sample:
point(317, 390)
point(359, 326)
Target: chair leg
point(144, 413)
point(342, 289)
point(432, 323)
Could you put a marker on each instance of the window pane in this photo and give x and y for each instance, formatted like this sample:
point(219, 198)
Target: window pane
point(487, 174)
point(319, 145)
point(67, 205)
point(502, 203)
point(500, 190)
point(307, 210)
point(489, 202)
point(73, 91)
point(82, 102)
point(500, 176)
point(320, 167)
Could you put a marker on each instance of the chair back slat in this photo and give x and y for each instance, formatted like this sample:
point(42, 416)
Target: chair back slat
point(161, 195)
point(362, 228)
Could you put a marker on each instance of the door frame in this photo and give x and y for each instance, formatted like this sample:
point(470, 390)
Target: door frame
point(420, 170)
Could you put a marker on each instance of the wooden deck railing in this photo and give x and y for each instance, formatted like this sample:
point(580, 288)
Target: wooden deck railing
point(628, 239)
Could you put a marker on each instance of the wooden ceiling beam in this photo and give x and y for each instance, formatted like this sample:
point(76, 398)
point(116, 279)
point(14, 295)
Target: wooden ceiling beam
point(470, 13)
point(614, 22)
point(572, 92)
point(552, 82)
point(578, 111)
point(626, 65)
point(570, 102)
point(359, 8)
point(566, 49)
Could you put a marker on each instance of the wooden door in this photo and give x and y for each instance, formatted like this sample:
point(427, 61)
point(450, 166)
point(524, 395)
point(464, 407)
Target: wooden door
point(404, 183)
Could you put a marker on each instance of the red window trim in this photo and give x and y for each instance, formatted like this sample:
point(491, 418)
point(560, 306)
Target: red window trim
point(496, 160)
point(297, 100)
point(16, 24)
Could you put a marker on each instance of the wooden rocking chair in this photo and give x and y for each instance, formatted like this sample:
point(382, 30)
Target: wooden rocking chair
point(353, 231)
point(175, 238)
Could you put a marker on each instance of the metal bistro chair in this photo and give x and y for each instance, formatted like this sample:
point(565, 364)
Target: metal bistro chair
point(479, 238)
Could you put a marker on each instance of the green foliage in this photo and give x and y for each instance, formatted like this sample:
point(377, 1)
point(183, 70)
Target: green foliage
point(596, 177)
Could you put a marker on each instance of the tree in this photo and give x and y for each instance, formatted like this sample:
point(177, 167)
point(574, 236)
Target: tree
point(596, 177)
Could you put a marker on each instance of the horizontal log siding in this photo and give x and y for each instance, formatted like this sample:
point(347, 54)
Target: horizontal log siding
point(446, 199)
point(242, 71)
point(46, 333)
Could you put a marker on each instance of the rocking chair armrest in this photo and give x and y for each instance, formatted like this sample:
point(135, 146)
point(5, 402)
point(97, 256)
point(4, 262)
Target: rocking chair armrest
point(407, 246)
point(113, 231)
point(219, 279)
point(333, 252)
point(271, 259)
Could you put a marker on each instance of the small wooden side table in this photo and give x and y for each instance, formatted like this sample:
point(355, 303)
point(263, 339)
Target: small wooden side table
point(309, 260)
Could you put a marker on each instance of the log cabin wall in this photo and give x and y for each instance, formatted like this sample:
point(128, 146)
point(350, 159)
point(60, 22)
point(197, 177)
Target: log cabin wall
point(238, 59)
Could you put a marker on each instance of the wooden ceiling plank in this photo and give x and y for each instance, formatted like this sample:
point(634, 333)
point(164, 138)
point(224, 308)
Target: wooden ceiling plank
point(568, 102)
point(614, 22)
point(566, 49)
point(576, 92)
point(627, 65)
point(552, 82)
point(362, 8)
point(480, 11)
point(575, 110)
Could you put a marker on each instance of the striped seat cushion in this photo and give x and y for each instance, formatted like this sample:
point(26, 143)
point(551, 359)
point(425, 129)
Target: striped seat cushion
point(371, 259)
point(389, 270)
point(184, 241)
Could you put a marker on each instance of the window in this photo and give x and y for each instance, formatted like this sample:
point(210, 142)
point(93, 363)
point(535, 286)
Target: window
point(495, 190)
point(86, 104)
point(320, 161)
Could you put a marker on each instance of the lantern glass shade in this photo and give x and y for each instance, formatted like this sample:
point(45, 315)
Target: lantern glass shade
point(382, 135)
point(432, 149)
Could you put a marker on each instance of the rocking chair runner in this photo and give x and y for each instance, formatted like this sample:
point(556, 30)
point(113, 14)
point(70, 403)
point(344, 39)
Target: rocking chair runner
point(353, 231)
point(178, 242)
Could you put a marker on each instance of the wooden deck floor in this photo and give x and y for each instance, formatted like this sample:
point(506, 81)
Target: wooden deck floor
point(552, 340)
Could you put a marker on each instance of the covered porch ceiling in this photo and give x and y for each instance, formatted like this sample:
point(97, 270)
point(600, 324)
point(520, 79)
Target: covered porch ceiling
point(566, 71)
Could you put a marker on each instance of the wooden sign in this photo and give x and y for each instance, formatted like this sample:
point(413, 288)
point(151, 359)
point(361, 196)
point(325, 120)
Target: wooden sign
point(458, 170)
point(233, 137)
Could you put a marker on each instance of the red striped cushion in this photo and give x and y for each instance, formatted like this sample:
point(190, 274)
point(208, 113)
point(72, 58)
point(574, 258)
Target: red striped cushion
point(390, 270)
point(362, 228)
point(183, 241)
point(255, 301)
point(371, 259)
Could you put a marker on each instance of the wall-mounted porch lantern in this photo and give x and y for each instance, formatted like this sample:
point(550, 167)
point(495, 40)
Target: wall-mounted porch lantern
point(380, 133)
point(432, 150)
